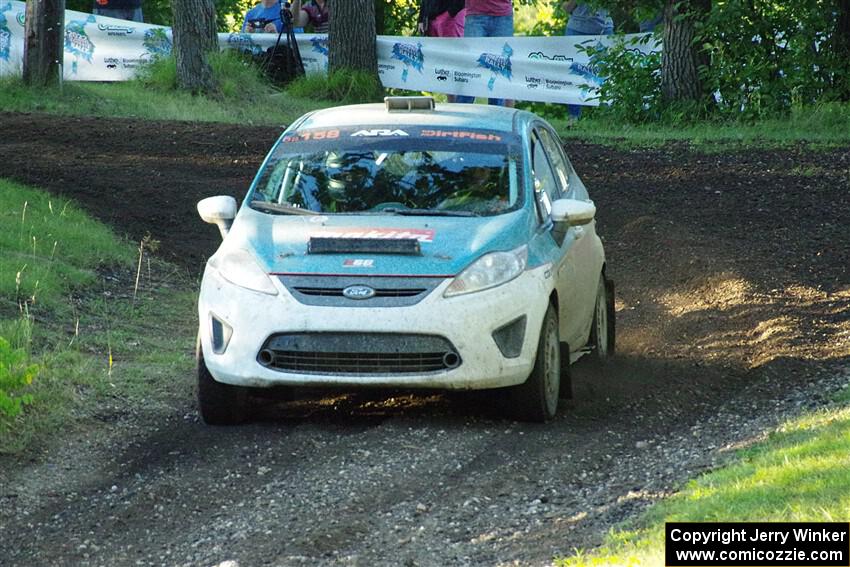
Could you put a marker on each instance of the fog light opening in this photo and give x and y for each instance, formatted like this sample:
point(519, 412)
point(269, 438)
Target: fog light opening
point(266, 357)
point(451, 360)
point(220, 333)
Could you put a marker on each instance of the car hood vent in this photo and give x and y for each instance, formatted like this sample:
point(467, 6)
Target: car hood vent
point(404, 246)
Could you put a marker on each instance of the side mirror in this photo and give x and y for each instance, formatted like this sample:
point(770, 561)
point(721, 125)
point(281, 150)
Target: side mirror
point(573, 212)
point(219, 210)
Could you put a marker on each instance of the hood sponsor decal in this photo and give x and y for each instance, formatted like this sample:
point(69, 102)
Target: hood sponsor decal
point(422, 235)
point(358, 263)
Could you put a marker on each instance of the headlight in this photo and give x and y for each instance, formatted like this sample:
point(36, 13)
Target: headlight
point(489, 271)
point(239, 268)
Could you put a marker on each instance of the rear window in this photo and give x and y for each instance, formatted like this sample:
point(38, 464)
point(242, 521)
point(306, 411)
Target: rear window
point(394, 169)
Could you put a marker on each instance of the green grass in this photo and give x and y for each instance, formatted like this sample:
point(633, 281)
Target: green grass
point(49, 247)
point(346, 87)
point(800, 473)
point(248, 99)
point(69, 302)
point(826, 125)
point(245, 98)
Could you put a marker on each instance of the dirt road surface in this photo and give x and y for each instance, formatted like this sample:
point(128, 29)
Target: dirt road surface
point(733, 297)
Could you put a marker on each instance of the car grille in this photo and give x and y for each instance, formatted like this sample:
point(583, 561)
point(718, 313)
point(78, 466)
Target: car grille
point(379, 292)
point(358, 354)
point(327, 291)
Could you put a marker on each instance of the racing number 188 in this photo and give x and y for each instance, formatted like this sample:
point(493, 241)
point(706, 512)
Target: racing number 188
point(320, 135)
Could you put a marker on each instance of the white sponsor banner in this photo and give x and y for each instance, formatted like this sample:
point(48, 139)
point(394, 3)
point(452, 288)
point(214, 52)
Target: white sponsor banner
point(545, 69)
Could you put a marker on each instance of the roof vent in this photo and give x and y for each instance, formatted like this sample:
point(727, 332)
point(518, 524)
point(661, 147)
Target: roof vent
point(409, 103)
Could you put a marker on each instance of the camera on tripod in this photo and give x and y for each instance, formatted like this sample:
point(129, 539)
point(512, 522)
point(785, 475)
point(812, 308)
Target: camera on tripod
point(260, 24)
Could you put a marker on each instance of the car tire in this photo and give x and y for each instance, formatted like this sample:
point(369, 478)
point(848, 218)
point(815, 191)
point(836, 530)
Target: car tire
point(566, 388)
point(603, 337)
point(537, 398)
point(219, 404)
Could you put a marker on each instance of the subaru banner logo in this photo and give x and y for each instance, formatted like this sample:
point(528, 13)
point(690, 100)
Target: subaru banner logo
point(358, 292)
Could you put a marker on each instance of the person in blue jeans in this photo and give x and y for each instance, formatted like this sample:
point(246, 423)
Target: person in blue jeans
point(584, 20)
point(488, 18)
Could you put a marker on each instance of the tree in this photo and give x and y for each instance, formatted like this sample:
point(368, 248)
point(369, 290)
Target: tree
point(43, 47)
point(682, 56)
point(352, 37)
point(194, 37)
point(841, 49)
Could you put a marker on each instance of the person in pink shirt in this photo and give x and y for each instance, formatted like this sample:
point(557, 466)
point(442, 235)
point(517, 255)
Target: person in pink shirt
point(488, 18)
point(442, 18)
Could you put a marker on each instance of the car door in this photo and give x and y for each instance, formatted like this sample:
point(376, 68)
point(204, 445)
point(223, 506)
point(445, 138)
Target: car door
point(547, 189)
point(582, 246)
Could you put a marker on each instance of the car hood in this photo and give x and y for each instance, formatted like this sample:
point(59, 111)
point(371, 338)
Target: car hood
point(448, 244)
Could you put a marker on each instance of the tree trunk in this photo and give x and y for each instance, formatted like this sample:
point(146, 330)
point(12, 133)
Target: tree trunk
point(682, 56)
point(380, 17)
point(351, 37)
point(841, 48)
point(44, 49)
point(194, 37)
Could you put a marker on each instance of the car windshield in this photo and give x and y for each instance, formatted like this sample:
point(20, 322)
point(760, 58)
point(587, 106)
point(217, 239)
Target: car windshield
point(402, 175)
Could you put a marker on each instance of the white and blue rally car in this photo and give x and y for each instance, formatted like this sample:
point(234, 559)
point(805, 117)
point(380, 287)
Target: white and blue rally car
point(405, 245)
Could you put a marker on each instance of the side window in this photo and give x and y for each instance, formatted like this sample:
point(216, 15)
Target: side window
point(573, 188)
point(561, 168)
point(546, 187)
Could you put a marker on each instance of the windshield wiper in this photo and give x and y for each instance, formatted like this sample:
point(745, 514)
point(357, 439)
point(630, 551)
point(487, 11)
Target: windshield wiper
point(429, 212)
point(279, 208)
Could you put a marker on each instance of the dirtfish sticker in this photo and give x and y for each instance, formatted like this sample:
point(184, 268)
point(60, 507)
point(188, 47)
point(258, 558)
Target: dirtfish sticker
point(244, 42)
point(499, 65)
point(77, 41)
point(409, 54)
point(5, 34)
point(157, 42)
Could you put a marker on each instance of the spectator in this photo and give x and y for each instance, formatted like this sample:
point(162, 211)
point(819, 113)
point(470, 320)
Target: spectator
point(442, 18)
point(314, 13)
point(585, 21)
point(263, 18)
point(122, 9)
point(488, 18)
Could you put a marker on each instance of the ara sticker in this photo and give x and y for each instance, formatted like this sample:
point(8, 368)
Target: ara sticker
point(379, 132)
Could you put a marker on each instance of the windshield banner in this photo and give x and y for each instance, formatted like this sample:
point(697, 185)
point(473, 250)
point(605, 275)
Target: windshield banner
point(544, 69)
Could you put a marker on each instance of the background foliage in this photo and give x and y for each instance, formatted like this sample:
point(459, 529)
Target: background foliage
point(766, 57)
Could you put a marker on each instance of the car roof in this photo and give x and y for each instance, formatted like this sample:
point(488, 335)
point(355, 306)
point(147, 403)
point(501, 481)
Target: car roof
point(478, 116)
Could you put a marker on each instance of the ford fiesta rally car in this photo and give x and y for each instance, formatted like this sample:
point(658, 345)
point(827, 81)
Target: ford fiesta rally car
point(404, 245)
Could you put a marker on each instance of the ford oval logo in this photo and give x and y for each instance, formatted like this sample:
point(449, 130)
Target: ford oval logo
point(358, 292)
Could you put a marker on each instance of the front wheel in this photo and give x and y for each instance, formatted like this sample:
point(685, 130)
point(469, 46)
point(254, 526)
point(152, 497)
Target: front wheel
point(219, 404)
point(603, 330)
point(537, 398)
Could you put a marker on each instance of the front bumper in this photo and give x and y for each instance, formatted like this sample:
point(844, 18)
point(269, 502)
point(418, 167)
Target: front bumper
point(467, 322)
